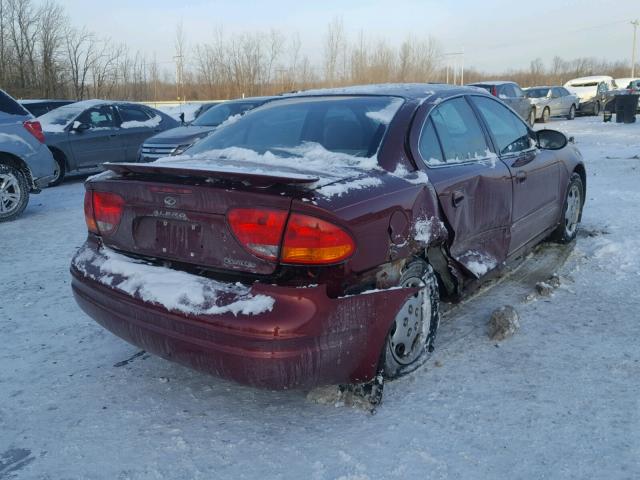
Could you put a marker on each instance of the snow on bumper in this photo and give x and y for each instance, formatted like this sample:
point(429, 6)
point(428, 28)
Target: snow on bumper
point(261, 335)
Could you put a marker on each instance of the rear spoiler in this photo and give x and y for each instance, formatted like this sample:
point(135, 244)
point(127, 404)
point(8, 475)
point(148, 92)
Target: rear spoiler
point(223, 170)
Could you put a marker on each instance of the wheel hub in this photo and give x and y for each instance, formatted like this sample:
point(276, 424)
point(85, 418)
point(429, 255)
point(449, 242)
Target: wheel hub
point(410, 329)
point(9, 193)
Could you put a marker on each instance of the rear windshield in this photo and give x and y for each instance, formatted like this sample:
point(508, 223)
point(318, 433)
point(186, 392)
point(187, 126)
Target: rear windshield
point(585, 84)
point(488, 88)
point(350, 125)
point(217, 114)
point(10, 106)
point(537, 92)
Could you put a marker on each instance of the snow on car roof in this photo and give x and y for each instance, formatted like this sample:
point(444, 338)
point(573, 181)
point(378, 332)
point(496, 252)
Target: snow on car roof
point(594, 78)
point(405, 90)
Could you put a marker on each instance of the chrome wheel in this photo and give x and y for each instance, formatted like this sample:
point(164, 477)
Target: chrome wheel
point(572, 212)
point(10, 193)
point(412, 325)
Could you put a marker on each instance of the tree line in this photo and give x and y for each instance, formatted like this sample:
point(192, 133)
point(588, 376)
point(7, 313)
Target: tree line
point(42, 55)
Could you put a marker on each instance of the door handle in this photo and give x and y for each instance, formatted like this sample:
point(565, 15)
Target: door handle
point(112, 135)
point(457, 198)
point(521, 176)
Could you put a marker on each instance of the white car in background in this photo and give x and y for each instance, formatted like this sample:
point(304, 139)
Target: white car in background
point(552, 102)
point(593, 92)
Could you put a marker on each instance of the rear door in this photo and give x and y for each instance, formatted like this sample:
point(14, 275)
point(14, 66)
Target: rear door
point(523, 105)
point(535, 173)
point(473, 186)
point(100, 142)
point(136, 124)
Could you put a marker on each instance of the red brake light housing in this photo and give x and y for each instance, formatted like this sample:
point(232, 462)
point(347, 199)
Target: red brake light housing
point(35, 129)
point(299, 239)
point(102, 211)
point(494, 91)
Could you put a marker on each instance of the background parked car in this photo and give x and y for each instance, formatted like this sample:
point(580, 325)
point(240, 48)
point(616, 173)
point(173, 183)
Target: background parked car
point(26, 165)
point(552, 102)
point(40, 107)
point(85, 134)
point(628, 83)
point(177, 140)
point(511, 94)
point(593, 92)
point(203, 108)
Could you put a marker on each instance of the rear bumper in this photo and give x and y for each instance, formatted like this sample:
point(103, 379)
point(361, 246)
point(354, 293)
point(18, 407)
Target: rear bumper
point(306, 339)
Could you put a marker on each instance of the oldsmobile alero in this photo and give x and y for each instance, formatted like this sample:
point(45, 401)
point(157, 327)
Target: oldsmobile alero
point(311, 241)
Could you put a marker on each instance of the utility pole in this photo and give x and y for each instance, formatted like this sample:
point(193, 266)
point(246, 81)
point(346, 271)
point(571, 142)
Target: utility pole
point(635, 24)
point(178, 59)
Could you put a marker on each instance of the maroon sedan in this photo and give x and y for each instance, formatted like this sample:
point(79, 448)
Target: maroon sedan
point(311, 241)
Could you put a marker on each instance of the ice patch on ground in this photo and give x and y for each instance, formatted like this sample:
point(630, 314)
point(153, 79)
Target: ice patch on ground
point(173, 289)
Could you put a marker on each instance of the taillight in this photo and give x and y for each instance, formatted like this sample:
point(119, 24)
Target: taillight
point(494, 91)
point(258, 230)
point(35, 129)
point(102, 211)
point(309, 240)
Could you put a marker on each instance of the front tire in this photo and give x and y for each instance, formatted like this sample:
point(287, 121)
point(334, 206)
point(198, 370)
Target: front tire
point(413, 333)
point(596, 109)
point(572, 212)
point(14, 193)
point(532, 117)
point(572, 113)
point(60, 170)
point(546, 114)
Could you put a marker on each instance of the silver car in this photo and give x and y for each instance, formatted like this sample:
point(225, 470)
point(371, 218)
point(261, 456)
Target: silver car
point(552, 102)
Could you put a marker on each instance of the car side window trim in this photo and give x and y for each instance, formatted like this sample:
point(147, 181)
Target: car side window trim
point(487, 137)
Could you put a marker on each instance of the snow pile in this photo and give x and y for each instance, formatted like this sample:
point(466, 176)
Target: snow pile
point(152, 122)
point(340, 188)
point(385, 115)
point(417, 177)
point(478, 263)
point(173, 289)
point(231, 120)
point(310, 161)
point(174, 111)
point(422, 230)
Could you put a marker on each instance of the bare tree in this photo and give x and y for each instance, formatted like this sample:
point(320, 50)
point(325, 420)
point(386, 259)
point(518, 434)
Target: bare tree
point(334, 48)
point(81, 49)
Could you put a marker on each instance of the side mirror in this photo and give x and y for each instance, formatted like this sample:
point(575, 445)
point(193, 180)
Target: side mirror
point(181, 116)
point(551, 139)
point(80, 127)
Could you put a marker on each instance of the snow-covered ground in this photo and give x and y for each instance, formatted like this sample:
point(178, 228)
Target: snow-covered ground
point(560, 399)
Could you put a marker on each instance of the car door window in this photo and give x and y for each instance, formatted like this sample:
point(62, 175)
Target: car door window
point(132, 114)
point(558, 93)
point(459, 130)
point(517, 91)
point(429, 145)
point(510, 133)
point(505, 91)
point(98, 117)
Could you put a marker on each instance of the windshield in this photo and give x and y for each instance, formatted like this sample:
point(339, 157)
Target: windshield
point(349, 125)
point(63, 115)
point(220, 113)
point(586, 84)
point(537, 92)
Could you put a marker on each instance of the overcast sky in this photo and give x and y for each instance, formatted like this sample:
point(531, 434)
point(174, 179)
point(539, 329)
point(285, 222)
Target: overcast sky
point(496, 35)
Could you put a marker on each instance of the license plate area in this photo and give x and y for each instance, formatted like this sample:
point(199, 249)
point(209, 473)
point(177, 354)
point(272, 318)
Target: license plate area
point(173, 238)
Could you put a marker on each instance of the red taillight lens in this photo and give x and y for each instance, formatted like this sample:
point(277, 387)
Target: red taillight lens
point(309, 240)
point(35, 129)
point(494, 91)
point(102, 211)
point(88, 212)
point(258, 230)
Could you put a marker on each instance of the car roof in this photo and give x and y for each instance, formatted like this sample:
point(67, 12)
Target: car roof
point(593, 78)
point(493, 82)
point(31, 101)
point(409, 91)
point(543, 86)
